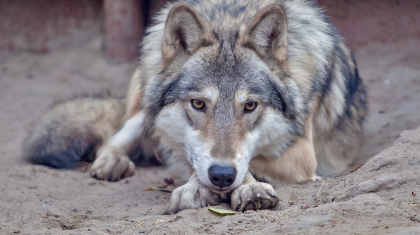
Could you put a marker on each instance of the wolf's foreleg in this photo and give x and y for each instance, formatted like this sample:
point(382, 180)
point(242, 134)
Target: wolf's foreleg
point(253, 195)
point(191, 195)
point(297, 165)
point(112, 162)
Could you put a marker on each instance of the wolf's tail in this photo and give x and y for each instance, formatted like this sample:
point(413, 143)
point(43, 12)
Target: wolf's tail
point(73, 130)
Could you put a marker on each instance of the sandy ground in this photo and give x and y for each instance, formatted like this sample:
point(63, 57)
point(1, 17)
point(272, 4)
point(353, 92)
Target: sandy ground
point(381, 197)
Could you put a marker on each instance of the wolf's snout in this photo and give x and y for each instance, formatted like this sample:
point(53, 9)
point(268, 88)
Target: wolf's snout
point(222, 176)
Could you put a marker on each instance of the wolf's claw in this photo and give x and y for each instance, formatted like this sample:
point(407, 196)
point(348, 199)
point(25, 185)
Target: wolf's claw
point(254, 196)
point(191, 195)
point(112, 165)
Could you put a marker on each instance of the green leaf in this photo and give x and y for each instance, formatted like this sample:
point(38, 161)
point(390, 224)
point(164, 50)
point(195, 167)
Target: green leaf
point(221, 212)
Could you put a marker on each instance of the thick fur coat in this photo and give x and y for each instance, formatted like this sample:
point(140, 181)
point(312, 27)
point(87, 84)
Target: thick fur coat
point(263, 88)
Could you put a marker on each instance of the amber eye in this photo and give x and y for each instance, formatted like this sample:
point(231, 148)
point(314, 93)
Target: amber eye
point(197, 104)
point(250, 106)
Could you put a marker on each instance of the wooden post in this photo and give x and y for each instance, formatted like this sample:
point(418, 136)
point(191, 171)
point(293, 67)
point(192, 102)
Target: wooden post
point(124, 26)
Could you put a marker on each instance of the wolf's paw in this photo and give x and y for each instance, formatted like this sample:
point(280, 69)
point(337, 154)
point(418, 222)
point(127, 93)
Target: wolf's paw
point(254, 196)
point(191, 195)
point(112, 164)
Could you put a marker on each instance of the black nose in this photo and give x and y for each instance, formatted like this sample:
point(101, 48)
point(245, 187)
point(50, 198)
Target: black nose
point(222, 176)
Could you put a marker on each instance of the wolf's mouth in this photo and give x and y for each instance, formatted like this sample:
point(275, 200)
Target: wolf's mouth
point(221, 191)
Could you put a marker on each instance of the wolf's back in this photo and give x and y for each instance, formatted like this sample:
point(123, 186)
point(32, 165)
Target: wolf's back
point(72, 131)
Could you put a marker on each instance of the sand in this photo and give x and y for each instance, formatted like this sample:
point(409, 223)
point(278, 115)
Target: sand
point(379, 198)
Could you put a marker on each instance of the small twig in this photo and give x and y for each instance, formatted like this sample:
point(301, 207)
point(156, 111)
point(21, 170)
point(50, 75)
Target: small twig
point(357, 184)
point(280, 214)
point(265, 219)
point(320, 188)
point(412, 204)
point(138, 224)
point(173, 219)
point(159, 221)
point(42, 215)
point(272, 217)
point(23, 198)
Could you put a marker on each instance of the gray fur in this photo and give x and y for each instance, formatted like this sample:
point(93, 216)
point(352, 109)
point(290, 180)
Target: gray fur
point(314, 77)
point(317, 60)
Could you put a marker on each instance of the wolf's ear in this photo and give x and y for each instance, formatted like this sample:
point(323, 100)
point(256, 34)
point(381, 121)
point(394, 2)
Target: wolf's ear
point(185, 32)
point(267, 33)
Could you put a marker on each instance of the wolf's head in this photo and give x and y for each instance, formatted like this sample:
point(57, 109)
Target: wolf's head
point(226, 93)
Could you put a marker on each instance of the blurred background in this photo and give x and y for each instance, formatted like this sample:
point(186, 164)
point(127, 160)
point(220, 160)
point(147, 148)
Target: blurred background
point(42, 26)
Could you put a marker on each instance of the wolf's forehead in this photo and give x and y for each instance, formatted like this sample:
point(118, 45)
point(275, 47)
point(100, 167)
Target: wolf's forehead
point(233, 13)
point(218, 93)
point(210, 93)
point(211, 85)
point(218, 82)
point(223, 70)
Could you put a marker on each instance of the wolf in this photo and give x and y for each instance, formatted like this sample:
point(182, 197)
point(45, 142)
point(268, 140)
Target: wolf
point(236, 91)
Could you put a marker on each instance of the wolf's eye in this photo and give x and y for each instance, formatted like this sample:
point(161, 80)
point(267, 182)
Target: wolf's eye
point(250, 106)
point(197, 104)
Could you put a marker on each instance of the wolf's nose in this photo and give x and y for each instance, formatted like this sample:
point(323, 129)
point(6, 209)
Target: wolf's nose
point(222, 176)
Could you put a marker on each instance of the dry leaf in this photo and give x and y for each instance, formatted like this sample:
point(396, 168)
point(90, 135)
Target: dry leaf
point(82, 166)
point(356, 168)
point(169, 187)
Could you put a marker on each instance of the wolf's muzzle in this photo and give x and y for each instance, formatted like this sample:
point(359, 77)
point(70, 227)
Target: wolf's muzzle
point(222, 176)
